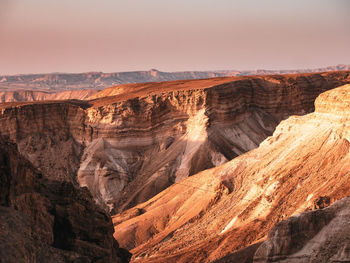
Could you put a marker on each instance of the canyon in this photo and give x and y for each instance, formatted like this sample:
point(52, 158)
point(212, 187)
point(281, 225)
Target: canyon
point(228, 169)
point(304, 166)
point(126, 148)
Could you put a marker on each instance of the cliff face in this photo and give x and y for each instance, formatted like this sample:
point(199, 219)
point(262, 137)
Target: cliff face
point(44, 220)
point(45, 134)
point(129, 147)
point(305, 165)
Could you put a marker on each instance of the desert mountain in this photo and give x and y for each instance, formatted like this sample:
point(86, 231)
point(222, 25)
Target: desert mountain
point(44, 220)
point(30, 95)
point(305, 165)
point(100, 80)
point(129, 147)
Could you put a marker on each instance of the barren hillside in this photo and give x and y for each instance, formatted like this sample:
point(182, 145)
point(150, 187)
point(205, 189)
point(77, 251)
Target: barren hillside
point(304, 165)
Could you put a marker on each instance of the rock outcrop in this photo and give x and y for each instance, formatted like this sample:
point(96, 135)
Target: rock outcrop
point(224, 209)
point(43, 220)
point(128, 147)
point(316, 236)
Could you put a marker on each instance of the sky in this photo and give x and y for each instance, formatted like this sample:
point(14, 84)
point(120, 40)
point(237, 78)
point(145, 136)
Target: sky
point(41, 36)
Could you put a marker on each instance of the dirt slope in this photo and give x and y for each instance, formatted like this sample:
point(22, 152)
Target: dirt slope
point(221, 210)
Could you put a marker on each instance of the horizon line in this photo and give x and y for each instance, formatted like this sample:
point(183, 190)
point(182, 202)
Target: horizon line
point(179, 71)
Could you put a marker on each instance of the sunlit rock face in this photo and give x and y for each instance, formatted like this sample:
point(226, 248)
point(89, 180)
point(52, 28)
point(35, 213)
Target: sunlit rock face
point(44, 220)
point(305, 165)
point(128, 146)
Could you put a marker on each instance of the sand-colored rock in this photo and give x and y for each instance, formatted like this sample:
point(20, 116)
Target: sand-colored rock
point(224, 209)
point(43, 220)
point(129, 147)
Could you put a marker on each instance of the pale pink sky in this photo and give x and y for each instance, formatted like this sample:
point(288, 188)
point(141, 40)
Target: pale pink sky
point(125, 35)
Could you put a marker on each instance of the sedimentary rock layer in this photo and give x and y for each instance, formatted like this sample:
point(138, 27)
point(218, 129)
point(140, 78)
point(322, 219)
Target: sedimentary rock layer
point(128, 147)
point(43, 220)
point(305, 165)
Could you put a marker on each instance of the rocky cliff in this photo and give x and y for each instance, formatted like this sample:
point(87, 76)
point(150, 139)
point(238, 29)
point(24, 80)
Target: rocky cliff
point(305, 165)
point(44, 220)
point(128, 147)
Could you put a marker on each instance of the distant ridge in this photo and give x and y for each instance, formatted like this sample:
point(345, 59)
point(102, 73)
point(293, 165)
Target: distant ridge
point(55, 82)
point(36, 95)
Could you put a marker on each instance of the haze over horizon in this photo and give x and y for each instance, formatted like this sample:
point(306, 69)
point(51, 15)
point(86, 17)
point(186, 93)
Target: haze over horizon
point(40, 36)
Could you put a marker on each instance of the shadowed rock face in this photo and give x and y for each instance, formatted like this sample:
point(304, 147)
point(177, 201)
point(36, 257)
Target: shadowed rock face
point(43, 220)
point(127, 148)
point(315, 236)
point(224, 209)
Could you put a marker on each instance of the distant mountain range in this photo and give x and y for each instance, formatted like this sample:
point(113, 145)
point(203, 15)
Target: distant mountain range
point(55, 82)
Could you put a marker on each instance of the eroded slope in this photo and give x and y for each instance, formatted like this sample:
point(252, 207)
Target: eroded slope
point(224, 209)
